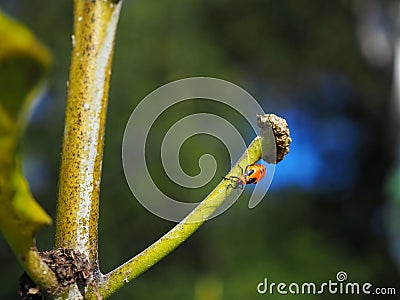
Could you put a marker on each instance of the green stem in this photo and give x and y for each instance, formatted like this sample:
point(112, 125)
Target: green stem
point(95, 24)
point(112, 281)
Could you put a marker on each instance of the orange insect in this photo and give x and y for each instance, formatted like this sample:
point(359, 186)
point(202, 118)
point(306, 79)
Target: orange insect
point(252, 174)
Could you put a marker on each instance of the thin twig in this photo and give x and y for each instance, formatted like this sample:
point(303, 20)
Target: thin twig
point(112, 281)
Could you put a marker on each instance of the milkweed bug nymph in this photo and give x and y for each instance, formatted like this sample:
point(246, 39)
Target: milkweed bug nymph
point(252, 174)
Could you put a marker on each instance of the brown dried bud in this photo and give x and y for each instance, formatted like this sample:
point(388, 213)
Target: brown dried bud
point(281, 132)
point(69, 266)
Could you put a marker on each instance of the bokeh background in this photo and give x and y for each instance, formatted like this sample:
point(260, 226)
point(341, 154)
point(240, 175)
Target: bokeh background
point(326, 66)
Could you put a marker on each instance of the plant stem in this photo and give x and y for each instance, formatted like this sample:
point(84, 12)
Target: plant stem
point(112, 281)
point(95, 24)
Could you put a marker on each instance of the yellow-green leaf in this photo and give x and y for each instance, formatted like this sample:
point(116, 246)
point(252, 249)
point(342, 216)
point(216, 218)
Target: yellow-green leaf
point(24, 62)
point(26, 209)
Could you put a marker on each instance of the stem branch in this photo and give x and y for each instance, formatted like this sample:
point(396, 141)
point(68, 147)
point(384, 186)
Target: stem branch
point(95, 24)
point(112, 281)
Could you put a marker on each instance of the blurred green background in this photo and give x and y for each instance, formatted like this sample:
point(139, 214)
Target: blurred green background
point(326, 66)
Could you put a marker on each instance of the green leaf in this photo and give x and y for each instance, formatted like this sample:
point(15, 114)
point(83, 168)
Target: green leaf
point(23, 66)
point(23, 62)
